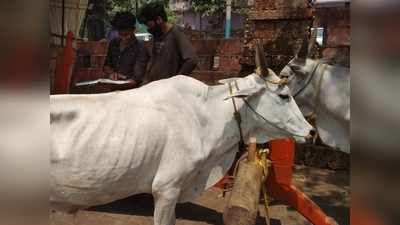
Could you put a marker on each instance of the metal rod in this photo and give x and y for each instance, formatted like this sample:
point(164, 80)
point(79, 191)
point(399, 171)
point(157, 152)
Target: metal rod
point(329, 3)
point(228, 19)
point(62, 22)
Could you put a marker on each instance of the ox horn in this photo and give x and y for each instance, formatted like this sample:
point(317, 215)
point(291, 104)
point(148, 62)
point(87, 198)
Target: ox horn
point(260, 59)
point(303, 53)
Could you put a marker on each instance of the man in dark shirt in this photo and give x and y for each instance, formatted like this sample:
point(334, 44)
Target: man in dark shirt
point(126, 57)
point(172, 52)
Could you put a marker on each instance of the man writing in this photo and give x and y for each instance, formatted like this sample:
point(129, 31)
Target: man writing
point(126, 57)
point(172, 52)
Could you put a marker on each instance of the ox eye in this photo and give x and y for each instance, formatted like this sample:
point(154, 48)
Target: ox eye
point(295, 68)
point(284, 96)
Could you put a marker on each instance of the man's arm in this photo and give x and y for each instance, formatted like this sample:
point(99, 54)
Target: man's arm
point(142, 59)
point(187, 53)
point(107, 67)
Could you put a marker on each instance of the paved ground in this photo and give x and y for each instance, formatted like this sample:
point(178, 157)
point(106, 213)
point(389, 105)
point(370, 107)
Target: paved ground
point(329, 189)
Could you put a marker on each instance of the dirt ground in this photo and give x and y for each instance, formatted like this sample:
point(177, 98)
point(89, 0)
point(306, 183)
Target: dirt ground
point(328, 189)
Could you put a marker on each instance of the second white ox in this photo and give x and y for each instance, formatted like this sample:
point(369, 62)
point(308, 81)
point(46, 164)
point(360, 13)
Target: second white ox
point(172, 138)
point(323, 90)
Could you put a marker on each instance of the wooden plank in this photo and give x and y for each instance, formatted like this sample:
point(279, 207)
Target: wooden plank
point(242, 206)
point(280, 14)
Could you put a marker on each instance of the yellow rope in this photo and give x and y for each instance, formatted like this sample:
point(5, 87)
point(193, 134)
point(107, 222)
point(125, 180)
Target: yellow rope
point(262, 161)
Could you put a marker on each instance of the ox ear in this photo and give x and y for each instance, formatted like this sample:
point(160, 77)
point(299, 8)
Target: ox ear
point(242, 93)
point(244, 88)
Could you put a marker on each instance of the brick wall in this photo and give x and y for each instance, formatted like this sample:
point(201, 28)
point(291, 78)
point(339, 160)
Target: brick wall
point(96, 51)
point(281, 25)
point(228, 51)
point(336, 22)
point(204, 35)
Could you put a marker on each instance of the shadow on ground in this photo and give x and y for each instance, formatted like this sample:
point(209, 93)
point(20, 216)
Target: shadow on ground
point(328, 189)
point(142, 205)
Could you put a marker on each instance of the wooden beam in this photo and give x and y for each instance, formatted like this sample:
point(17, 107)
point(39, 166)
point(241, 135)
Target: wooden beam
point(242, 205)
point(252, 155)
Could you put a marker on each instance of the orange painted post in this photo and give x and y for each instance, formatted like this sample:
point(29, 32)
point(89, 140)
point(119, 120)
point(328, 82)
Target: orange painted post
point(64, 67)
point(362, 215)
point(279, 183)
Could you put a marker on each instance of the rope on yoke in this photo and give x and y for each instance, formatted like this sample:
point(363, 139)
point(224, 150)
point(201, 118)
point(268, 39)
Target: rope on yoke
point(262, 161)
point(241, 143)
point(237, 117)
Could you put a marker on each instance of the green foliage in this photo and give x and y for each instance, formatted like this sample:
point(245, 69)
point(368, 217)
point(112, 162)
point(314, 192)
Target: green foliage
point(120, 5)
point(218, 7)
point(123, 5)
point(172, 16)
point(114, 6)
point(209, 7)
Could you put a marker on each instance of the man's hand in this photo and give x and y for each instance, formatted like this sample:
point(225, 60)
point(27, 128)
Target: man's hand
point(117, 76)
point(134, 83)
point(122, 77)
point(114, 76)
point(107, 70)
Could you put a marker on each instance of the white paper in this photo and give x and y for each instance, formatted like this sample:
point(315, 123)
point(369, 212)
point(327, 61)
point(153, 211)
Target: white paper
point(104, 81)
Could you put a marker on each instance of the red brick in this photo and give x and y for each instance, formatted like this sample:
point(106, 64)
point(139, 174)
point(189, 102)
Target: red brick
point(99, 48)
point(332, 16)
point(230, 47)
point(338, 36)
point(281, 14)
point(229, 63)
point(96, 73)
point(81, 75)
point(97, 61)
point(204, 47)
point(264, 4)
point(280, 4)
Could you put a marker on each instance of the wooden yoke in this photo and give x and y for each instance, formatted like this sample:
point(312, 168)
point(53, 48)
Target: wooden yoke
point(242, 205)
point(252, 154)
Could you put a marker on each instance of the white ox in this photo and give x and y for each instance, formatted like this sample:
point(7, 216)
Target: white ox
point(172, 138)
point(323, 90)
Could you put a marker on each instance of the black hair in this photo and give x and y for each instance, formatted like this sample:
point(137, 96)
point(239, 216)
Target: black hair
point(124, 21)
point(151, 11)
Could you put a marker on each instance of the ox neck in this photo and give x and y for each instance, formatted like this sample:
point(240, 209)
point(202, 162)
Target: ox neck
point(306, 81)
point(227, 125)
point(311, 86)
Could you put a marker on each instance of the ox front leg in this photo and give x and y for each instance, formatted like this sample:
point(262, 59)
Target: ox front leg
point(164, 207)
